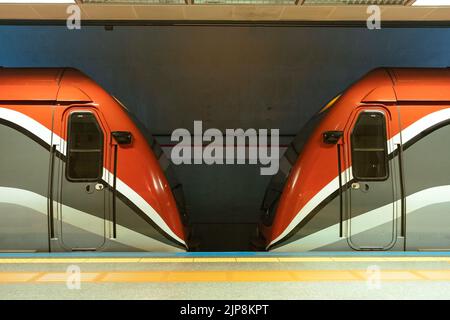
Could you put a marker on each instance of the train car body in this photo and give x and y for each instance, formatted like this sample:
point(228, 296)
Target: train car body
point(371, 171)
point(78, 173)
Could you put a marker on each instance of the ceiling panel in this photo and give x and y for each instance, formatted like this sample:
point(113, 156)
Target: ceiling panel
point(144, 12)
point(208, 12)
point(106, 12)
point(17, 10)
point(141, 2)
point(309, 13)
point(355, 2)
point(398, 13)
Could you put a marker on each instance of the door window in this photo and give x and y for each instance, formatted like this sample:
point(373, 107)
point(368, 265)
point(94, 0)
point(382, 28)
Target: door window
point(369, 147)
point(85, 148)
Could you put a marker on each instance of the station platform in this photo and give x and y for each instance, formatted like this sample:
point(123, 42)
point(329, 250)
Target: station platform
point(225, 275)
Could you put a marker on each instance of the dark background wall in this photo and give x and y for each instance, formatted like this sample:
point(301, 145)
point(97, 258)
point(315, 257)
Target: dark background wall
point(229, 77)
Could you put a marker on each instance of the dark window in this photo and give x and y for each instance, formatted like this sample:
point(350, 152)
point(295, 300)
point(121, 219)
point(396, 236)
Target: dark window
point(369, 147)
point(85, 148)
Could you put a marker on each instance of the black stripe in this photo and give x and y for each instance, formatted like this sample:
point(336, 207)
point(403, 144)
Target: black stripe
point(27, 133)
point(341, 200)
point(120, 195)
point(425, 133)
point(331, 197)
point(360, 24)
point(114, 190)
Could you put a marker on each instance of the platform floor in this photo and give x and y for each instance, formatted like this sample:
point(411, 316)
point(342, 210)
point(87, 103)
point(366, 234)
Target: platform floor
point(225, 276)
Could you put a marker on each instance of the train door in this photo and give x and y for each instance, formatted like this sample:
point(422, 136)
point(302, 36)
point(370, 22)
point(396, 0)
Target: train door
point(371, 207)
point(82, 205)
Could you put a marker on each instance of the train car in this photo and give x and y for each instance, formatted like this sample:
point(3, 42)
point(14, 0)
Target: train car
point(78, 172)
point(370, 171)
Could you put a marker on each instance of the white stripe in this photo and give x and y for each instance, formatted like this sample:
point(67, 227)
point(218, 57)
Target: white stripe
point(405, 135)
point(422, 124)
point(82, 220)
point(369, 220)
point(143, 205)
point(45, 134)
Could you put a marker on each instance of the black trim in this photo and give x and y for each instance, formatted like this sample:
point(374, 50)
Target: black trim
point(396, 152)
point(50, 191)
point(341, 200)
point(332, 137)
point(122, 137)
point(128, 202)
point(402, 191)
point(68, 149)
point(311, 215)
point(114, 191)
point(147, 219)
point(386, 155)
point(425, 132)
point(26, 133)
point(361, 24)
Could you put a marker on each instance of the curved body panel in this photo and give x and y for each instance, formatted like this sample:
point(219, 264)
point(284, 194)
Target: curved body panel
point(66, 162)
point(365, 189)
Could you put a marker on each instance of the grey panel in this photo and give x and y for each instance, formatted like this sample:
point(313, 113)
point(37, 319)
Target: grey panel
point(361, 200)
point(135, 221)
point(22, 228)
point(427, 165)
point(23, 165)
point(109, 244)
point(328, 213)
point(429, 228)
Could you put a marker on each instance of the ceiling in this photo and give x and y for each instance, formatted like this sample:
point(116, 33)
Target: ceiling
point(227, 10)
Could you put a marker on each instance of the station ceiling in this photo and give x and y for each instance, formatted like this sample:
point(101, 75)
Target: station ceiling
point(226, 10)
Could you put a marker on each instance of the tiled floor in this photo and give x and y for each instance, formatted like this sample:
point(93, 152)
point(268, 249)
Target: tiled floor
point(403, 276)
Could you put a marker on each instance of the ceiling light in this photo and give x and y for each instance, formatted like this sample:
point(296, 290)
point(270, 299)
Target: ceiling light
point(137, 2)
point(431, 3)
point(355, 2)
point(36, 1)
point(244, 1)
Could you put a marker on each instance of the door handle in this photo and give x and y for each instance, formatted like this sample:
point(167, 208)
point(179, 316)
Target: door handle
point(364, 187)
point(99, 186)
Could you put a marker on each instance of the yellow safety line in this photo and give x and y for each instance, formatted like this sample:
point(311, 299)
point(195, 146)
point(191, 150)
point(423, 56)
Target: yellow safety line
point(225, 276)
point(221, 260)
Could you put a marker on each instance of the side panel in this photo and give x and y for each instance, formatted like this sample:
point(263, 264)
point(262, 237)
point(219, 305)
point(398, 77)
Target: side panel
point(370, 218)
point(24, 169)
point(427, 186)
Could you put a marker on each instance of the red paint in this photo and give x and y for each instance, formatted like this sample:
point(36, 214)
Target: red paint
point(381, 88)
point(64, 90)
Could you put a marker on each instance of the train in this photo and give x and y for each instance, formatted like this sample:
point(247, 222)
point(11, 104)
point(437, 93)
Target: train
point(79, 172)
point(369, 172)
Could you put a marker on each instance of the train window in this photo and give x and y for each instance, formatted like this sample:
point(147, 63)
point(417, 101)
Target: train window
point(85, 148)
point(369, 147)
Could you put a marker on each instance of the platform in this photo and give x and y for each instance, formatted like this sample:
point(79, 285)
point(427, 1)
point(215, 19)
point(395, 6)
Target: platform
point(226, 276)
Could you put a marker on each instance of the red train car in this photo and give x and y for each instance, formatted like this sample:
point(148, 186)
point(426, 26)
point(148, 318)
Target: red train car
point(79, 172)
point(370, 171)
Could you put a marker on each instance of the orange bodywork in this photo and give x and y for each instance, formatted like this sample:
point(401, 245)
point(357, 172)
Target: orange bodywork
point(389, 89)
point(61, 90)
